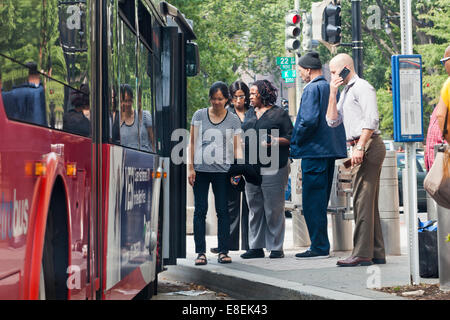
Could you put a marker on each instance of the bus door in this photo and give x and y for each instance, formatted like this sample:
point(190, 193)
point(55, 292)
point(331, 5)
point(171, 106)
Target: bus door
point(174, 117)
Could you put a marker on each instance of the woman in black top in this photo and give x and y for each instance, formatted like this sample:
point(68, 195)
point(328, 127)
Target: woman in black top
point(272, 127)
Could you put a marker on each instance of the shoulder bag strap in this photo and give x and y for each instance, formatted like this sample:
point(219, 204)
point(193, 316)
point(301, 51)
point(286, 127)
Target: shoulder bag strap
point(445, 126)
point(444, 132)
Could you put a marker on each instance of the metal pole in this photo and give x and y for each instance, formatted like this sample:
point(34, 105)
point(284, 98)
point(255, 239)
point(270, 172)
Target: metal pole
point(357, 42)
point(413, 237)
point(298, 79)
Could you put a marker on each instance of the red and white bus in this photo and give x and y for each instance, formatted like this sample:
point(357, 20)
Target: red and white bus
point(91, 206)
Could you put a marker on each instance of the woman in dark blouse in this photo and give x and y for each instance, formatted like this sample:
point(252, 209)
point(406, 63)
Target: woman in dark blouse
point(272, 127)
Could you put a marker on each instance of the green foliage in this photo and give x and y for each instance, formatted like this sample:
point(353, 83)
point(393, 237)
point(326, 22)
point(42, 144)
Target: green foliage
point(384, 100)
point(27, 37)
point(233, 37)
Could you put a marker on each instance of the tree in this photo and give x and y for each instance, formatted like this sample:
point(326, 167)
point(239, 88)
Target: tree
point(230, 35)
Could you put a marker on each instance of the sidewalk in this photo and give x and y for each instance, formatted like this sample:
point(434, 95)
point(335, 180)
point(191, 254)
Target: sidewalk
point(291, 279)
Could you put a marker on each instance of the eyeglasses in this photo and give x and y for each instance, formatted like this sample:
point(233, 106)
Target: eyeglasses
point(444, 60)
point(238, 97)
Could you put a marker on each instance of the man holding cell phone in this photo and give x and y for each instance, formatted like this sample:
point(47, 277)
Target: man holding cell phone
point(357, 109)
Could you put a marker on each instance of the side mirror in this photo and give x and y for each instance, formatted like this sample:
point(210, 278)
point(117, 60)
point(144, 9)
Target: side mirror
point(192, 59)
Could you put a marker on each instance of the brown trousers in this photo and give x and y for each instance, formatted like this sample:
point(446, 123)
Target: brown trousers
point(367, 237)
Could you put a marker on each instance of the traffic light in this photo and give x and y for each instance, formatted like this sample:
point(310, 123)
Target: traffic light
point(331, 23)
point(292, 20)
point(307, 42)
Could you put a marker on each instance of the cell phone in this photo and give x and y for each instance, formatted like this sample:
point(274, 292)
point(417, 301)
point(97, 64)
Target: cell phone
point(348, 163)
point(344, 73)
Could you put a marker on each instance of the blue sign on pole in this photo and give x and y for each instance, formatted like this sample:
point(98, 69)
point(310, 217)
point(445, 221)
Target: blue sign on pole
point(407, 97)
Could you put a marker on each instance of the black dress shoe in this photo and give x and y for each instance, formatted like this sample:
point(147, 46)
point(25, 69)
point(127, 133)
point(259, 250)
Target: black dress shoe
point(253, 253)
point(214, 250)
point(275, 254)
point(379, 261)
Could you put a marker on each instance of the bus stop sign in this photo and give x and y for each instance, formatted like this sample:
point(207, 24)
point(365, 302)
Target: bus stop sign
point(407, 98)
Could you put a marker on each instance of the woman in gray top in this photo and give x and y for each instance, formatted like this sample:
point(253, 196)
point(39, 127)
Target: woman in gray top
point(214, 144)
point(129, 131)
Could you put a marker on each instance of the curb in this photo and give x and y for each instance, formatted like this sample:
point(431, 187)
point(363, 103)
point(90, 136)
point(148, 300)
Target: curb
point(243, 285)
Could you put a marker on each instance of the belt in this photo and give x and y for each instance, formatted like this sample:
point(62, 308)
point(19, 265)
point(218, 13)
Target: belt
point(354, 141)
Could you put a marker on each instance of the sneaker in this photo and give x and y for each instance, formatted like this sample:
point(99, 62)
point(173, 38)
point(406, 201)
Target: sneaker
point(308, 254)
point(253, 253)
point(274, 254)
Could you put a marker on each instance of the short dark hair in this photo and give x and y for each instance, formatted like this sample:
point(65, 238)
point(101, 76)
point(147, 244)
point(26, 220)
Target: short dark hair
point(126, 88)
point(80, 98)
point(267, 92)
point(219, 86)
point(240, 85)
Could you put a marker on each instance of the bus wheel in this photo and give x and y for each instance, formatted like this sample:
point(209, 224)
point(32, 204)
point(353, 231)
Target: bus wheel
point(56, 252)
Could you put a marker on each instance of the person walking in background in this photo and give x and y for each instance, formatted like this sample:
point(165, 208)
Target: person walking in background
point(266, 201)
point(214, 144)
point(237, 202)
point(357, 109)
point(318, 145)
point(443, 107)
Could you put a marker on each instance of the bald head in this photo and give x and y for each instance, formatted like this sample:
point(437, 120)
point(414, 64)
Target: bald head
point(339, 62)
point(447, 52)
point(343, 60)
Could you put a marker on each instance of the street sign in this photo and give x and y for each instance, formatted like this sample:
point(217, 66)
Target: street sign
point(285, 67)
point(289, 74)
point(289, 80)
point(285, 60)
point(407, 96)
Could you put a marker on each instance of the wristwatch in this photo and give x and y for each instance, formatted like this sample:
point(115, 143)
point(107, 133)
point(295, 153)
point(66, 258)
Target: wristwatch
point(359, 148)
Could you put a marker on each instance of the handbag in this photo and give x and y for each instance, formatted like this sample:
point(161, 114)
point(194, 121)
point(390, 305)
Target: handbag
point(437, 180)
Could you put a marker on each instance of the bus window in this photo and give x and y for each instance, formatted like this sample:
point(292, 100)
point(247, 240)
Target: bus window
point(145, 100)
point(113, 74)
point(129, 124)
point(77, 119)
point(26, 101)
point(47, 40)
point(55, 96)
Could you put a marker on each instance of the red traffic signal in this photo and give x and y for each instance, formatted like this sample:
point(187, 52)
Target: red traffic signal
point(292, 31)
point(292, 19)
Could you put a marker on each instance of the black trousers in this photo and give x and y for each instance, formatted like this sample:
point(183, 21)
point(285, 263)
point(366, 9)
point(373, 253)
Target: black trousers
point(219, 182)
point(238, 215)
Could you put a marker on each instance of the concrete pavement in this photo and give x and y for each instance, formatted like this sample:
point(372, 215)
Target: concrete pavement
point(291, 279)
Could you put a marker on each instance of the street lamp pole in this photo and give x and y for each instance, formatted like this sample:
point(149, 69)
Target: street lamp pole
point(357, 43)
